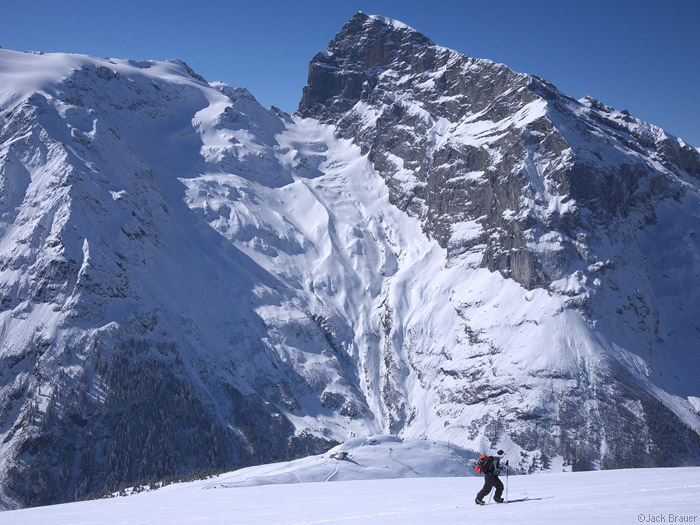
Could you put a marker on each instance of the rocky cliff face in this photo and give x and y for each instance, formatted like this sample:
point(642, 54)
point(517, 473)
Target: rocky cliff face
point(509, 174)
point(489, 159)
point(433, 246)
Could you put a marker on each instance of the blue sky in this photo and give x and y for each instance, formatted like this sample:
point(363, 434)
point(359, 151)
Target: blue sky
point(642, 55)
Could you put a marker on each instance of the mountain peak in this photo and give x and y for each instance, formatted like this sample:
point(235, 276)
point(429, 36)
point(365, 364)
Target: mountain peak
point(383, 23)
point(369, 33)
point(366, 46)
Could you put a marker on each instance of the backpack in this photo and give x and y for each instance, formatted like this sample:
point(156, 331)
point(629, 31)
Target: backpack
point(481, 464)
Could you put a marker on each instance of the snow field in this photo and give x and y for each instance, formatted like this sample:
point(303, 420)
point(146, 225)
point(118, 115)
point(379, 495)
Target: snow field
point(602, 497)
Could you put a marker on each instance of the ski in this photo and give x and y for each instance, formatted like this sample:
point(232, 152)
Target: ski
point(519, 500)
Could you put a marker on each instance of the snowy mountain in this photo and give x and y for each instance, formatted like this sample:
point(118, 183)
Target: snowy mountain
point(432, 246)
point(383, 482)
point(593, 213)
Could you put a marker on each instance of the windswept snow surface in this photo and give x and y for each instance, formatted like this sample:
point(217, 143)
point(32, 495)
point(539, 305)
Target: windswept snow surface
point(600, 497)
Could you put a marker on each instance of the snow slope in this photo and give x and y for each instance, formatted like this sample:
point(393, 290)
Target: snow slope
point(601, 497)
point(375, 457)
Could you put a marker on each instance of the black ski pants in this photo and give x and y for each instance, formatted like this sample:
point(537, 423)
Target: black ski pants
point(490, 481)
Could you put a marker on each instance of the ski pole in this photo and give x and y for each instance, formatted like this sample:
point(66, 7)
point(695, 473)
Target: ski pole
point(507, 471)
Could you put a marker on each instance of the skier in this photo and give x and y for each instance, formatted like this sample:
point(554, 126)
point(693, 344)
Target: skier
point(491, 467)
